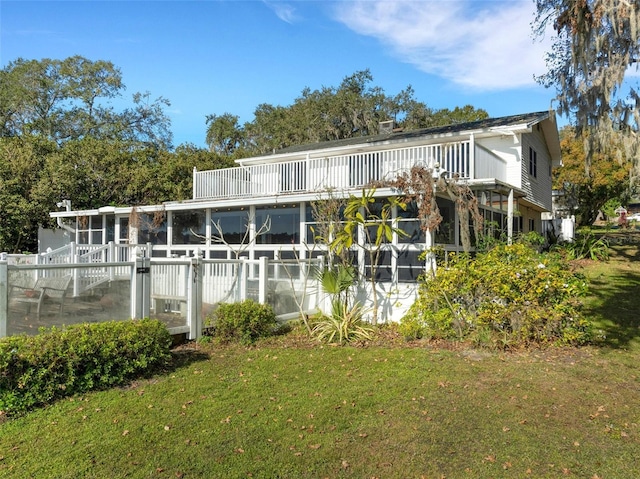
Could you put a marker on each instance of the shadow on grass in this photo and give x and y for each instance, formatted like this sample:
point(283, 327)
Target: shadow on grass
point(185, 356)
point(615, 302)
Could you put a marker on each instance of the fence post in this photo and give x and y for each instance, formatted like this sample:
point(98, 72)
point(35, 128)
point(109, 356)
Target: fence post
point(322, 298)
point(243, 280)
point(194, 296)
point(74, 258)
point(140, 286)
point(262, 279)
point(111, 258)
point(4, 294)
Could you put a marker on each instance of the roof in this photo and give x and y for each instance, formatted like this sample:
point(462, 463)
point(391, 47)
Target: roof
point(528, 119)
point(489, 126)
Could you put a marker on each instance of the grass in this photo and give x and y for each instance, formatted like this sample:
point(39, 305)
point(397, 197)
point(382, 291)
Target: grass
point(288, 409)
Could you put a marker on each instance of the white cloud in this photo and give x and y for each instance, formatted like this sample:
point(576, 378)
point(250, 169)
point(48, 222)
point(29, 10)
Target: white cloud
point(477, 44)
point(284, 11)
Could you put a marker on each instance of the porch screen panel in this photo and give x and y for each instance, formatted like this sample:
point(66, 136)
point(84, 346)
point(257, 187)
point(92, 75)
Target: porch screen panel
point(409, 265)
point(189, 227)
point(383, 270)
point(445, 233)
point(152, 228)
point(232, 224)
point(285, 225)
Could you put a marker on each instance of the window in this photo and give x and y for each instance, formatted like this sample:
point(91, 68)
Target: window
point(285, 224)
point(189, 227)
point(532, 224)
point(383, 265)
point(152, 228)
point(409, 265)
point(533, 162)
point(232, 222)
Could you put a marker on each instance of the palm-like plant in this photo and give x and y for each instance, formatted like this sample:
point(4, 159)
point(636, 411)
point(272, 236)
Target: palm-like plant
point(336, 282)
point(344, 325)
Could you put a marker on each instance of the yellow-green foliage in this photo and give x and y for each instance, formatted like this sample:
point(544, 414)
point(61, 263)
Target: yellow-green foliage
point(510, 294)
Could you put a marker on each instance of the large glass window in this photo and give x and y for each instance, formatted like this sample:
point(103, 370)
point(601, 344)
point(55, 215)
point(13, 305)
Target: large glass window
point(383, 268)
point(410, 267)
point(189, 227)
point(445, 233)
point(408, 222)
point(285, 224)
point(124, 230)
point(152, 228)
point(318, 217)
point(232, 223)
point(111, 228)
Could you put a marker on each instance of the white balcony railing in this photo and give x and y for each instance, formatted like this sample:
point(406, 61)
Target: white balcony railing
point(343, 172)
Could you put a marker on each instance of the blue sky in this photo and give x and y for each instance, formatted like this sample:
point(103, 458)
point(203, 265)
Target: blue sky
point(212, 57)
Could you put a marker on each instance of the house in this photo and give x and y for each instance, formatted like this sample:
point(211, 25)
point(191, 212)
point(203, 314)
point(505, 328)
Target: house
point(506, 161)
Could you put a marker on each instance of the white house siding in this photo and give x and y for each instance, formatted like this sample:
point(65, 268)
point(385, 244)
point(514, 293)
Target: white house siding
point(538, 188)
point(507, 148)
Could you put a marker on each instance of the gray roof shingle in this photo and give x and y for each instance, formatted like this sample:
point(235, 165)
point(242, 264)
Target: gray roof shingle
point(505, 121)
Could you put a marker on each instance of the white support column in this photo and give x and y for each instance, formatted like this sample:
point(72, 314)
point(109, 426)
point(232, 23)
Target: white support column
point(111, 257)
point(395, 246)
point(207, 228)
point(510, 217)
point(303, 230)
point(252, 232)
point(472, 156)
point(243, 278)
point(75, 259)
point(362, 255)
point(195, 171)
point(262, 279)
point(430, 260)
point(169, 232)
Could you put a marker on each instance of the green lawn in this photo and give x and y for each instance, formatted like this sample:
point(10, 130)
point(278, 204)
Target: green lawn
point(287, 409)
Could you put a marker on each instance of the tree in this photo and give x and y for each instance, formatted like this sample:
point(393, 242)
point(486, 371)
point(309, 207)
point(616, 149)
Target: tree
point(21, 206)
point(224, 134)
point(353, 109)
point(597, 43)
point(65, 100)
point(586, 192)
point(374, 220)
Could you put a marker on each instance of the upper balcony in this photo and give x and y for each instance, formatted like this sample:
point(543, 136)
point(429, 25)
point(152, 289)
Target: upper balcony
point(351, 171)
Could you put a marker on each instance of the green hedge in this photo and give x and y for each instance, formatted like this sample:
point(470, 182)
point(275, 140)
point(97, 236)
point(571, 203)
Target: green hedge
point(243, 322)
point(35, 370)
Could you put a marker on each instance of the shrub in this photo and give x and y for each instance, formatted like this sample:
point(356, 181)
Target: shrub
point(344, 325)
point(510, 296)
point(36, 370)
point(243, 322)
point(586, 246)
